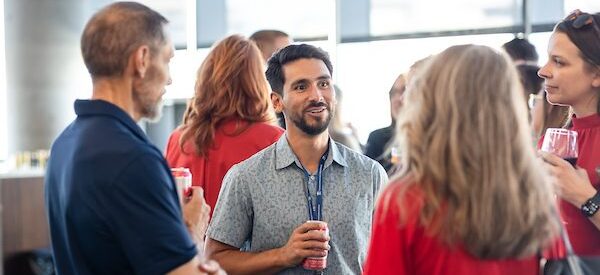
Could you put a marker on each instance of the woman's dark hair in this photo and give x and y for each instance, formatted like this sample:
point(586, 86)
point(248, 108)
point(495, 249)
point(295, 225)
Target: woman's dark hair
point(520, 49)
point(583, 29)
point(531, 81)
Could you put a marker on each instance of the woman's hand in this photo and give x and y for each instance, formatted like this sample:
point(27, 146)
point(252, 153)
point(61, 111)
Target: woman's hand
point(573, 185)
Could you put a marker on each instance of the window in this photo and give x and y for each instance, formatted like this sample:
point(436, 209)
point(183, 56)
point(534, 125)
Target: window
point(184, 67)
point(540, 41)
point(175, 12)
point(304, 19)
point(546, 12)
point(583, 5)
point(408, 16)
point(366, 72)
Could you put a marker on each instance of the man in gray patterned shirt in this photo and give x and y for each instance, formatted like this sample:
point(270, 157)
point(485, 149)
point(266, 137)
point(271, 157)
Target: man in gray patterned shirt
point(259, 223)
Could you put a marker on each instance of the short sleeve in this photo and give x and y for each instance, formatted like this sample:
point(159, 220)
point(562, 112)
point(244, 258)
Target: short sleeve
point(146, 217)
point(232, 219)
point(380, 179)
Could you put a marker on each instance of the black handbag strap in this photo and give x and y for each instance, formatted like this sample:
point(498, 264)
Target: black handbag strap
point(572, 259)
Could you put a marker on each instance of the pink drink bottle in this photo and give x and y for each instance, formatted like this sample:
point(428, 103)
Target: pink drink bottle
point(316, 263)
point(183, 181)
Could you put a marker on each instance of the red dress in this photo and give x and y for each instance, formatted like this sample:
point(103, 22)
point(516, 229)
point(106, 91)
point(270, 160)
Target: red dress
point(407, 249)
point(227, 150)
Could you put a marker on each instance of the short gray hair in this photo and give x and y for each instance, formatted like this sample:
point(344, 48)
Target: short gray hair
point(115, 31)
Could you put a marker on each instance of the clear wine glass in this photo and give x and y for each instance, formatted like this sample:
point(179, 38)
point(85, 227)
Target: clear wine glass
point(561, 142)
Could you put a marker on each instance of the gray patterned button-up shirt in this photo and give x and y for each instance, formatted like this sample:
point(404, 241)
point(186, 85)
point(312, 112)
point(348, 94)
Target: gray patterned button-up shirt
point(263, 199)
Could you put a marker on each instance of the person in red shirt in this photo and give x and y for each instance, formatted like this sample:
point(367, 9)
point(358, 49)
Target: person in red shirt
point(470, 197)
point(572, 78)
point(229, 119)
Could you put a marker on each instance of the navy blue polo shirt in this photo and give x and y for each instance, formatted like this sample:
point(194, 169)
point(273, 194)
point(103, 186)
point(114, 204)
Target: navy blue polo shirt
point(111, 201)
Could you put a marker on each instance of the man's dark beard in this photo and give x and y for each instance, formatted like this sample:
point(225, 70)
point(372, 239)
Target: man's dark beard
point(317, 129)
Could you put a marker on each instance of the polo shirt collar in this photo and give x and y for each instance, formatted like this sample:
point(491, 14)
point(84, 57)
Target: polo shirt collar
point(284, 156)
point(99, 107)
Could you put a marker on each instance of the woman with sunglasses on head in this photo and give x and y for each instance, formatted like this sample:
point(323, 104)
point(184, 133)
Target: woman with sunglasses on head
point(470, 197)
point(572, 78)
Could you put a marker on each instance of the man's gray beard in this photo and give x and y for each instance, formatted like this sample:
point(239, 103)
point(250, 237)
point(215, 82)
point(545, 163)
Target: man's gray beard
point(153, 115)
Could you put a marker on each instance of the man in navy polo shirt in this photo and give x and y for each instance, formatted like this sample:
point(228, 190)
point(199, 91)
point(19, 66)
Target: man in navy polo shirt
point(111, 201)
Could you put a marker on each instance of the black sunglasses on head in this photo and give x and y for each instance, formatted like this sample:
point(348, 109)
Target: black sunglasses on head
point(579, 19)
point(586, 25)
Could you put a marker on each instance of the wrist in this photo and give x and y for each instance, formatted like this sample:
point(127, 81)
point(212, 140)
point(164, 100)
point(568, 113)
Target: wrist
point(281, 260)
point(591, 206)
point(192, 230)
point(584, 196)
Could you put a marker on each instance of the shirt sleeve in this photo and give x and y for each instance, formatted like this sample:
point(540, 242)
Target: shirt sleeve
point(389, 243)
point(232, 219)
point(380, 179)
point(146, 217)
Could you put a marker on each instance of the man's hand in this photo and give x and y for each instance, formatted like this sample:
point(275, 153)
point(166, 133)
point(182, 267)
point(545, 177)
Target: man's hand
point(196, 214)
point(211, 267)
point(573, 184)
point(198, 266)
point(308, 240)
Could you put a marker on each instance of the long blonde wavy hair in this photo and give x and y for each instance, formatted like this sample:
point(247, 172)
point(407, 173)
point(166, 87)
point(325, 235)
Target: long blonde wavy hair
point(465, 142)
point(231, 83)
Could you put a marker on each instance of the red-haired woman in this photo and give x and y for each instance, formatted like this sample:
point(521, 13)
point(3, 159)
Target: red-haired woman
point(229, 119)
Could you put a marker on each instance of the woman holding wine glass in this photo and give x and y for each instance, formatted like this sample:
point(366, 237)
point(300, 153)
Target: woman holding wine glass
point(572, 78)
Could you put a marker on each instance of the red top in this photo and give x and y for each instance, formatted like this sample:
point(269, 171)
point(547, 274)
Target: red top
point(584, 236)
point(407, 249)
point(227, 150)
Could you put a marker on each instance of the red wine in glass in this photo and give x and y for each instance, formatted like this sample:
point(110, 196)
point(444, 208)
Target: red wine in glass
point(572, 161)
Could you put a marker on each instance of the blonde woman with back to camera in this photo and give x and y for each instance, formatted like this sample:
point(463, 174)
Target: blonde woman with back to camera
point(471, 197)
